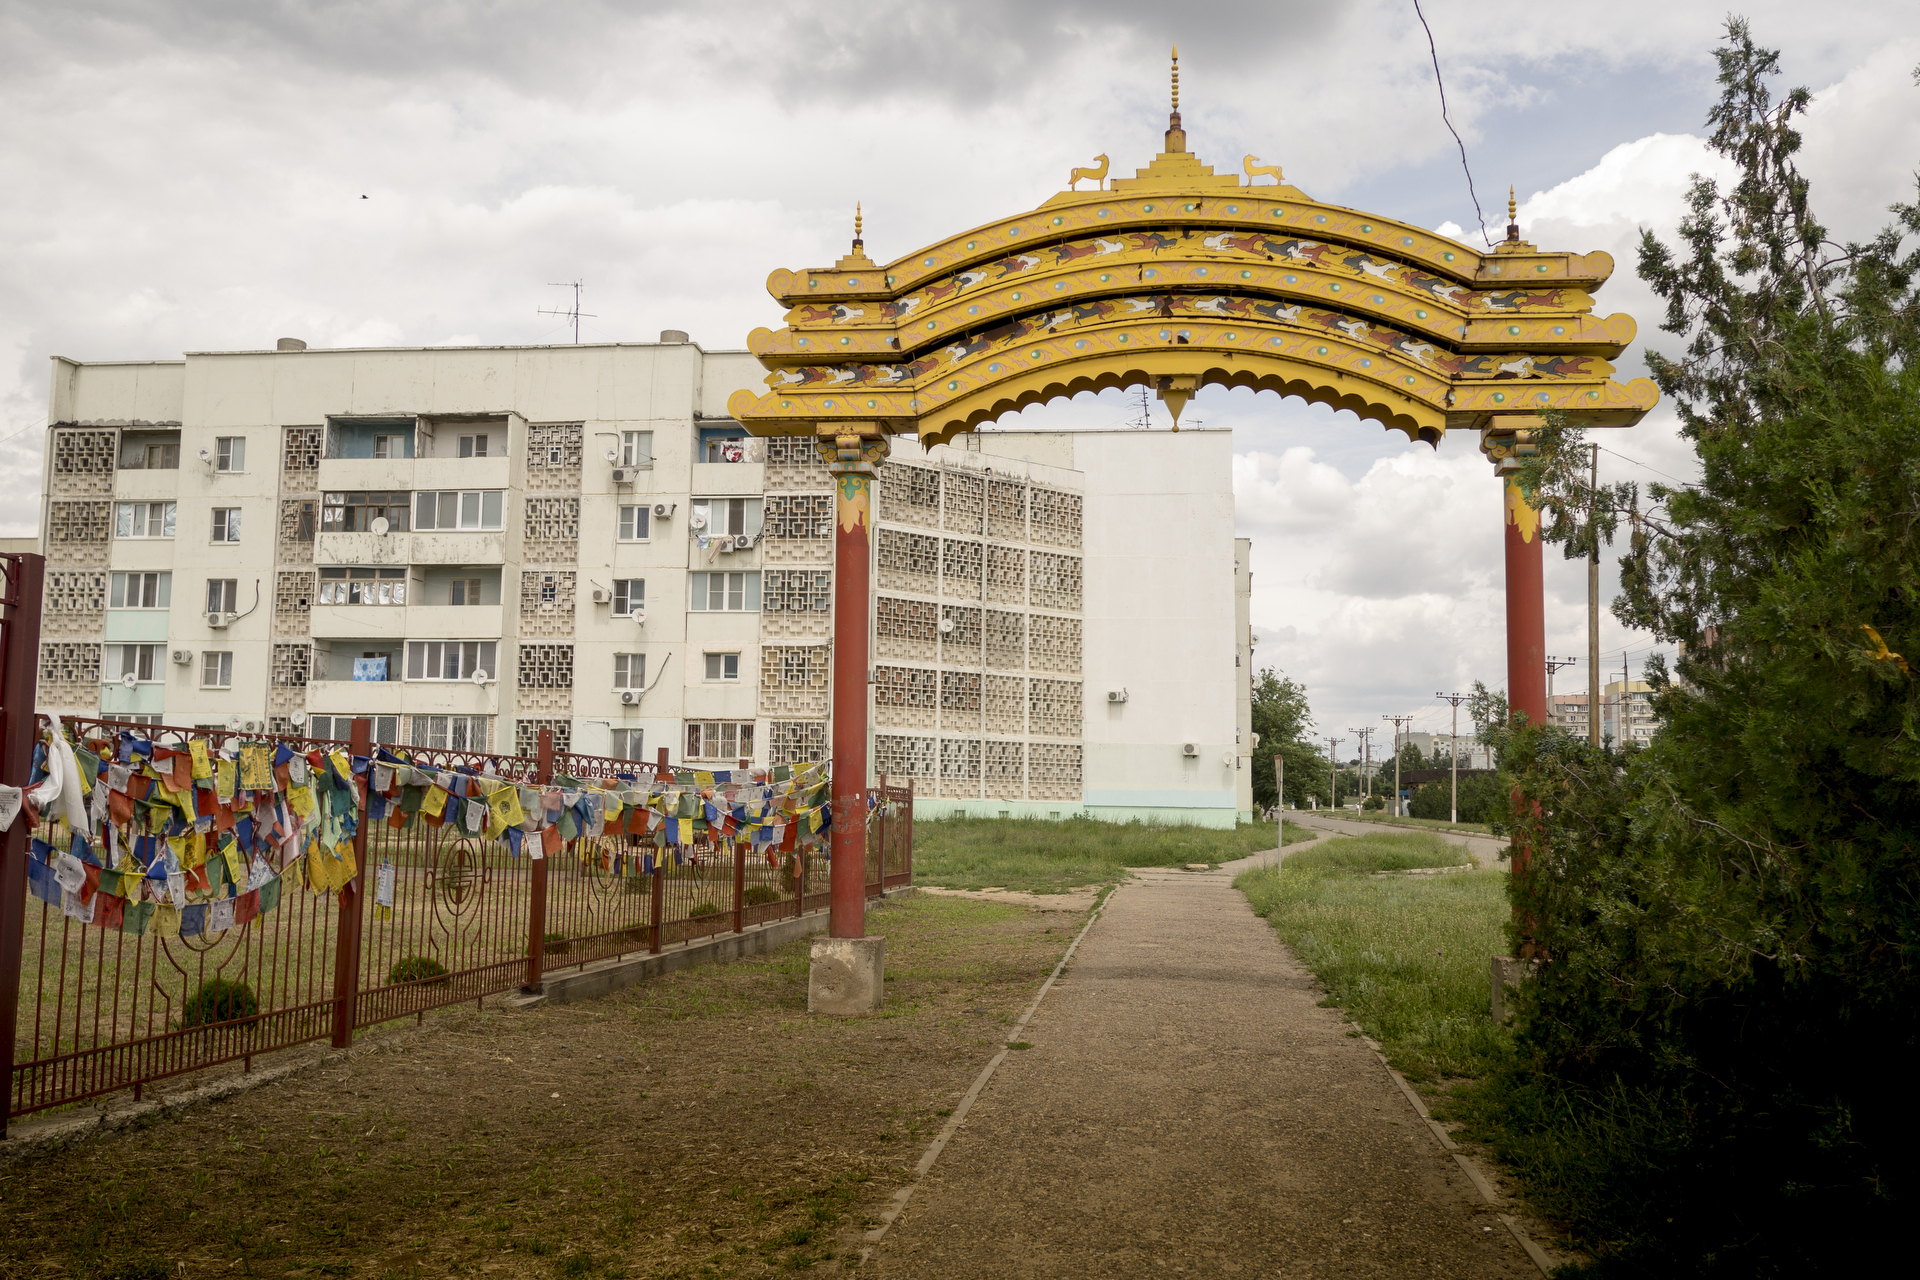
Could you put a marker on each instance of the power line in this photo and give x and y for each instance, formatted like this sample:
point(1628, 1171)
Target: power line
point(1478, 212)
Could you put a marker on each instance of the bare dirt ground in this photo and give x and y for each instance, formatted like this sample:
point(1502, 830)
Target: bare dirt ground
point(701, 1125)
point(1186, 1107)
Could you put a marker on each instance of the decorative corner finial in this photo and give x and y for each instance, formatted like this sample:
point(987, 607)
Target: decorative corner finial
point(1513, 216)
point(1176, 136)
point(857, 241)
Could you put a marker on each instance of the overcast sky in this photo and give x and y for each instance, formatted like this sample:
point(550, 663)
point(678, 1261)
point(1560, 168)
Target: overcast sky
point(188, 176)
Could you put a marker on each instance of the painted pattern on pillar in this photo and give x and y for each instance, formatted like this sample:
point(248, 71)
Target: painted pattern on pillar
point(1520, 512)
point(853, 505)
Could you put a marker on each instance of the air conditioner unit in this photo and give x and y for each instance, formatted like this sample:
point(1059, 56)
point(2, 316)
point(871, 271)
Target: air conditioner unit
point(661, 510)
point(742, 541)
point(629, 696)
point(723, 543)
point(1116, 695)
point(183, 657)
point(219, 621)
point(625, 475)
point(254, 726)
point(1191, 750)
point(601, 595)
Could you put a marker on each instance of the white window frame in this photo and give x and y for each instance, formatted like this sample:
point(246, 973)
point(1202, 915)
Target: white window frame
point(470, 589)
point(629, 671)
point(450, 733)
point(390, 448)
point(150, 671)
point(700, 591)
point(137, 518)
point(125, 582)
point(469, 656)
point(469, 516)
point(636, 449)
point(230, 454)
point(717, 663)
point(216, 669)
point(355, 584)
point(628, 744)
point(706, 738)
point(748, 518)
point(634, 517)
point(385, 728)
point(475, 444)
point(629, 596)
point(226, 526)
point(223, 595)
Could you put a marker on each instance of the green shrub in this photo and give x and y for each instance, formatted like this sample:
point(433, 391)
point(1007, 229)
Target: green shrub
point(702, 909)
point(415, 969)
point(761, 894)
point(219, 1000)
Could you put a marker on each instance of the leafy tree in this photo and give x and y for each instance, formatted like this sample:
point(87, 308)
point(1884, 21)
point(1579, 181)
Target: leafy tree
point(1285, 724)
point(1712, 1069)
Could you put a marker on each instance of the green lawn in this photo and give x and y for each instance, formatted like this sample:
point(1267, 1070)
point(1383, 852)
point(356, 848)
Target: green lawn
point(1406, 956)
point(1419, 824)
point(1050, 857)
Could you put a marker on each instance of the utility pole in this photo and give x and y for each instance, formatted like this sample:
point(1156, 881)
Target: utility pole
point(1454, 738)
point(1366, 760)
point(1333, 772)
point(1399, 725)
point(1554, 664)
point(1593, 608)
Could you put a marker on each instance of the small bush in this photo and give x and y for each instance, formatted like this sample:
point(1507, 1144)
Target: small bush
point(415, 969)
point(702, 909)
point(219, 1000)
point(760, 895)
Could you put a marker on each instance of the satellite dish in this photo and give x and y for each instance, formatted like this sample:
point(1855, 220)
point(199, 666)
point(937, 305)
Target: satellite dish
point(297, 718)
point(379, 525)
point(479, 675)
point(639, 615)
point(233, 722)
point(612, 454)
point(129, 680)
point(696, 521)
point(206, 455)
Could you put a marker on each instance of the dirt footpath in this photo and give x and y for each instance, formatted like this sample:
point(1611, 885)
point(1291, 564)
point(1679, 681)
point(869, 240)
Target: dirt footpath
point(1187, 1107)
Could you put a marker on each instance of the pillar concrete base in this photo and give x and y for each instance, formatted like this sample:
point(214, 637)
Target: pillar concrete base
point(1508, 971)
point(847, 976)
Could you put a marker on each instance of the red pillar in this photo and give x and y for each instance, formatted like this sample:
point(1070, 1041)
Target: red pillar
point(1526, 608)
point(19, 674)
point(852, 459)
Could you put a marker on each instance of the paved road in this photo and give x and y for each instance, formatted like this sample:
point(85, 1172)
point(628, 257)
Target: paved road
point(1187, 1108)
point(1491, 850)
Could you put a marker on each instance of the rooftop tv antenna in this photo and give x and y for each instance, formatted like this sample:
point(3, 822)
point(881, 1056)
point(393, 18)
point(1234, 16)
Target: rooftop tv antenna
point(573, 313)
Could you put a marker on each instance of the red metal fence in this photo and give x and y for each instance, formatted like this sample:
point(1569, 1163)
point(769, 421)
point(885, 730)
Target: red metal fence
point(90, 1011)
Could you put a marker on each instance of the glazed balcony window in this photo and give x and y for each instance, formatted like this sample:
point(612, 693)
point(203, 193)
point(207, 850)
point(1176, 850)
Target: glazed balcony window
point(356, 512)
point(354, 585)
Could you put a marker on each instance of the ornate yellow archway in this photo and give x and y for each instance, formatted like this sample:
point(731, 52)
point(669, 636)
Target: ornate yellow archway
point(1179, 278)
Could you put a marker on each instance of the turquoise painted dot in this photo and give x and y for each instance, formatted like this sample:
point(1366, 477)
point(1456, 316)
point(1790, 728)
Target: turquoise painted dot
point(872, 403)
point(1016, 297)
point(1080, 345)
point(953, 386)
point(803, 342)
point(1541, 268)
point(1406, 240)
point(1059, 285)
point(973, 244)
point(1319, 217)
point(1499, 397)
point(1364, 227)
point(786, 404)
point(1199, 271)
point(1034, 354)
point(1058, 221)
point(1514, 329)
point(813, 284)
point(1277, 342)
point(1320, 351)
point(1366, 364)
point(929, 262)
point(1420, 315)
point(1560, 329)
point(1543, 396)
point(1104, 278)
point(1409, 379)
point(1151, 274)
point(889, 279)
point(993, 368)
point(1101, 214)
point(1123, 337)
point(973, 310)
point(1146, 208)
point(1447, 256)
point(1246, 275)
point(1231, 336)
point(845, 341)
point(1165, 334)
point(827, 405)
point(1334, 287)
point(1378, 300)
point(1013, 231)
point(1279, 213)
point(853, 280)
point(1293, 279)
point(932, 323)
point(1190, 208)
point(1233, 208)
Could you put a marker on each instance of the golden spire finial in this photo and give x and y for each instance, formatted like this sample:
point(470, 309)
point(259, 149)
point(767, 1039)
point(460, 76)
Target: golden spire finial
point(1513, 217)
point(1176, 136)
point(857, 241)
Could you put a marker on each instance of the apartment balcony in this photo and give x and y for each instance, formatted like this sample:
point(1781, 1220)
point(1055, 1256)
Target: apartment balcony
point(488, 547)
point(403, 697)
point(388, 623)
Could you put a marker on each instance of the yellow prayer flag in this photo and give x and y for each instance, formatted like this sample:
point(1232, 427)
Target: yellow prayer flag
point(225, 773)
point(236, 869)
point(256, 767)
point(436, 801)
point(202, 763)
point(505, 805)
point(165, 922)
point(300, 800)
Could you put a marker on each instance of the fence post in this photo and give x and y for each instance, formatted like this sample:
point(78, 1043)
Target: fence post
point(19, 669)
point(800, 882)
point(346, 948)
point(739, 887)
point(537, 899)
point(909, 830)
point(657, 901)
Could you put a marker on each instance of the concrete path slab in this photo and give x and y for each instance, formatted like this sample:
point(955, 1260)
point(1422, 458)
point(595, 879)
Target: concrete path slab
point(1187, 1108)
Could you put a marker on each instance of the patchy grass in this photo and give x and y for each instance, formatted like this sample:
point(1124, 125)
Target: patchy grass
point(700, 1125)
point(1050, 857)
point(1406, 956)
point(1426, 824)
